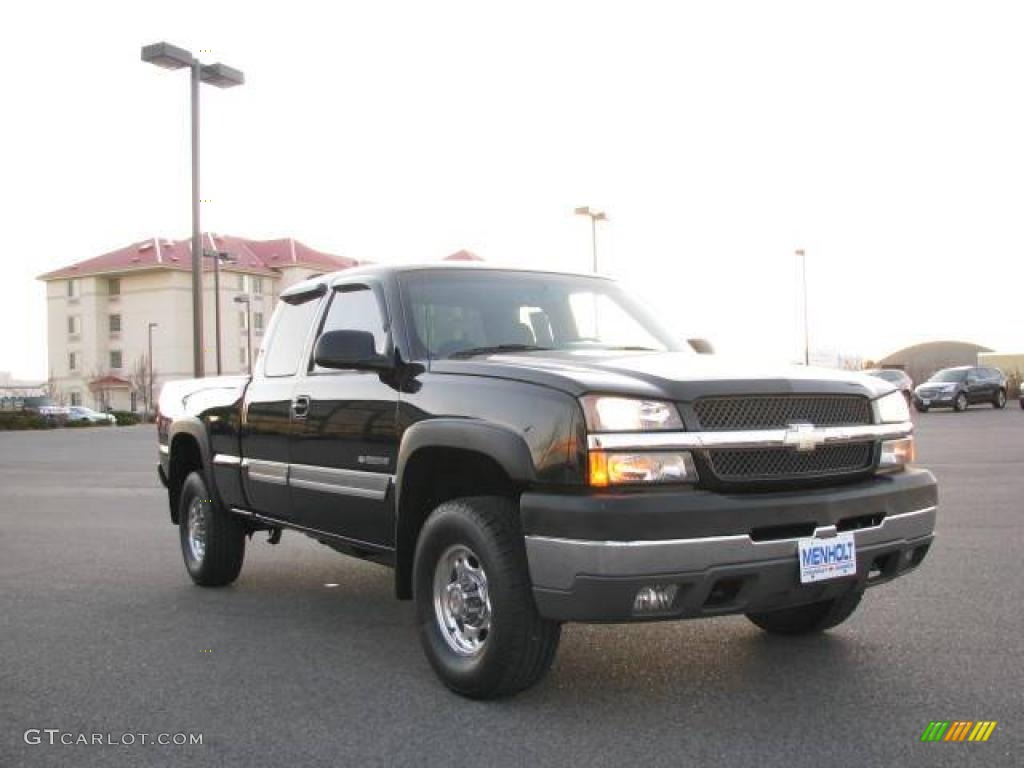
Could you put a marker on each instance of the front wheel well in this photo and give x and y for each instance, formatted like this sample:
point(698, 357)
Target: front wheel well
point(430, 477)
point(185, 458)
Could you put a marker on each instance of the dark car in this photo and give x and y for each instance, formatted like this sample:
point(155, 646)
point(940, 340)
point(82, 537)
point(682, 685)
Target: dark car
point(959, 388)
point(527, 449)
point(894, 376)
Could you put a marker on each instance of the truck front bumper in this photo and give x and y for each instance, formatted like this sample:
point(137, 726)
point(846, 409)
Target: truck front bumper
point(590, 555)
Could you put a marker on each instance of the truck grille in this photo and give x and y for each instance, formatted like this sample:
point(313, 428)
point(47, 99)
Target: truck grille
point(732, 465)
point(779, 411)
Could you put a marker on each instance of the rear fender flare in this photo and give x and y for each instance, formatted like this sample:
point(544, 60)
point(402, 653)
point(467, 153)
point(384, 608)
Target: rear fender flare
point(194, 428)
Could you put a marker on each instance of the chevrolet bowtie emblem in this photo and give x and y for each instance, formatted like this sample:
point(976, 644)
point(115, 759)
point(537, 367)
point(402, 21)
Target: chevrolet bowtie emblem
point(803, 437)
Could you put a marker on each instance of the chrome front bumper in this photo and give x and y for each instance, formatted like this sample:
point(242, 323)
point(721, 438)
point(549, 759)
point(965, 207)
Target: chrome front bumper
point(585, 580)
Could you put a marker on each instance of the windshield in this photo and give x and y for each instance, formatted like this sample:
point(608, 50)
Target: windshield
point(463, 312)
point(949, 375)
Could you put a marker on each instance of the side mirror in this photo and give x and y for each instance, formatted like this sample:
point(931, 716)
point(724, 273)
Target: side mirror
point(701, 346)
point(354, 350)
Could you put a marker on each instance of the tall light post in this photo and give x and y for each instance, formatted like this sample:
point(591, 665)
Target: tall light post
point(595, 216)
point(218, 257)
point(170, 56)
point(803, 280)
point(248, 328)
point(149, 404)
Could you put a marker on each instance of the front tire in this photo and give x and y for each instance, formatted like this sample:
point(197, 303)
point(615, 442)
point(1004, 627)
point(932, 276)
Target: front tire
point(477, 619)
point(808, 619)
point(212, 539)
point(999, 401)
point(960, 403)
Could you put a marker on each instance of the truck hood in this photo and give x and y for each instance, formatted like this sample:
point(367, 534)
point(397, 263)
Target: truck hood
point(674, 376)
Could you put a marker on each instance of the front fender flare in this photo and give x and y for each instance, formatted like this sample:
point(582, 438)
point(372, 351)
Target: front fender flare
point(504, 445)
point(501, 444)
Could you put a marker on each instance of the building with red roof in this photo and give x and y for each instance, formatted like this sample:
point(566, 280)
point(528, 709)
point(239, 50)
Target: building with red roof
point(99, 312)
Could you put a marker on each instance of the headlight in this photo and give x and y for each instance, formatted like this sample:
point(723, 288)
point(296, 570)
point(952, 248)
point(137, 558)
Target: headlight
point(896, 454)
point(892, 409)
point(623, 414)
point(641, 468)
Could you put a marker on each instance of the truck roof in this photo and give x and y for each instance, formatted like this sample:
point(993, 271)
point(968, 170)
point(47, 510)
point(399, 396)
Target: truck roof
point(319, 282)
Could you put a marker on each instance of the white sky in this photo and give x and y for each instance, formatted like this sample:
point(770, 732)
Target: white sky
point(885, 138)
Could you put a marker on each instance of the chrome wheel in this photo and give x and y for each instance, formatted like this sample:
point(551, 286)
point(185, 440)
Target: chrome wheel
point(196, 529)
point(462, 605)
point(1000, 399)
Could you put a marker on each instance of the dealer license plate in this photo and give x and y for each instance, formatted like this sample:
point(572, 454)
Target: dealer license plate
point(823, 559)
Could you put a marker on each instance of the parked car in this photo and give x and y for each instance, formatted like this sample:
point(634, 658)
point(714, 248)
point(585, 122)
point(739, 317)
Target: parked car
point(54, 411)
point(528, 448)
point(894, 376)
point(80, 413)
point(959, 388)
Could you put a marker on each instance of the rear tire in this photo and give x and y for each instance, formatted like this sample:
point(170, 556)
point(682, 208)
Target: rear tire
point(808, 619)
point(212, 539)
point(960, 403)
point(920, 408)
point(999, 401)
point(477, 619)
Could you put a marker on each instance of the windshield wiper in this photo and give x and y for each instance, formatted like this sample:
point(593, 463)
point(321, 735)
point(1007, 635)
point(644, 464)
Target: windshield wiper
point(497, 348)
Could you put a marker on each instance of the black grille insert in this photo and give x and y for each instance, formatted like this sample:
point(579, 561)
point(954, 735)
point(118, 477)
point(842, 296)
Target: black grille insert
point(751, 464)
point(779, 411)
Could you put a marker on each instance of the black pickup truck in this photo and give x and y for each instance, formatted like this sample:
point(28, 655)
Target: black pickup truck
point(527, 448)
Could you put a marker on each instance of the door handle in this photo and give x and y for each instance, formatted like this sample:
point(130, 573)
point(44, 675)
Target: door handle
point(300, 406)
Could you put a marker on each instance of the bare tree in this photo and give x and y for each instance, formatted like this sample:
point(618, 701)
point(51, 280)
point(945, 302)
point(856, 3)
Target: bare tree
point(850, 362)
point(141, 382)
point(53, 391)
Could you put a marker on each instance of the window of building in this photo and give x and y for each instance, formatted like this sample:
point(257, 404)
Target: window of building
point(74, 325)
point(76, 398)
point(115, 358)
point(242, 282)
point(288, 337)
point(114, 286)
point(257, 322)
point(257, 286)
point(243, 320)
point(72, 361)
point(355, 310)
point(73, 288)
point(115, 323)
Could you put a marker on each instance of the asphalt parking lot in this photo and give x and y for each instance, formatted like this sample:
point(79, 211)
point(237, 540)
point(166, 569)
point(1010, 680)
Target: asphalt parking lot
point(102, 632)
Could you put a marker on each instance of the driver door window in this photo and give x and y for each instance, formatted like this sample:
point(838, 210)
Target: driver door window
point(354, 308)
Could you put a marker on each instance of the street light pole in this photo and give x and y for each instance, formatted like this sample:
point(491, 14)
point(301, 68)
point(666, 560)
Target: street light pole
point(248, 328)
point(595, 216)
point(149, 404)
point(803, 279)
point(170, 56)
point(218, 257)
point(198, 353)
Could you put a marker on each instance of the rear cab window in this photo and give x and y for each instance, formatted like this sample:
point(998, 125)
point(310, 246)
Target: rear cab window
point(286, 339)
